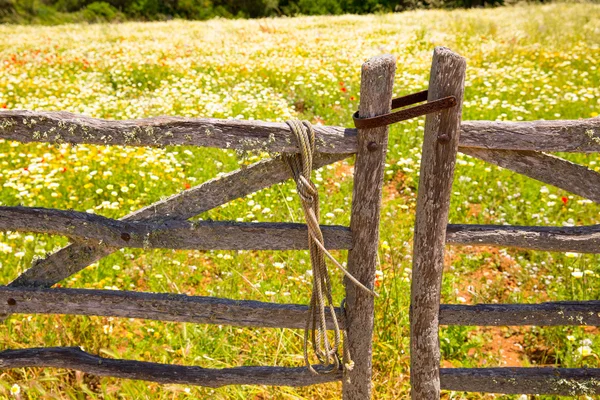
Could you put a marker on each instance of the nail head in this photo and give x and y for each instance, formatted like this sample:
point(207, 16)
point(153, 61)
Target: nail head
point(372, 146)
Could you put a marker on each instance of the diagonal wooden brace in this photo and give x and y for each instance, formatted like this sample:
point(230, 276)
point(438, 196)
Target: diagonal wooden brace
point(206, 196)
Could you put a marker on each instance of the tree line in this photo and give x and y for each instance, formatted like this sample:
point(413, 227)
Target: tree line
point(56, 11)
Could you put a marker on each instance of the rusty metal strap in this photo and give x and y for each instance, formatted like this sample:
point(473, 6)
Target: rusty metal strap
point(407, 113)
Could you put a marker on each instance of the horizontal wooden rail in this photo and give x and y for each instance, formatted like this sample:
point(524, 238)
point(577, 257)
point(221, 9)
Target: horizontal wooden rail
point(580, 239)
point(564, 174)
point(208, 195)
point(156, 306)
point(560, 313)
point(558, 381)
point(582, 136)
point(76, 359)
point(578, 136)
point(64, 127)
point(199, 235)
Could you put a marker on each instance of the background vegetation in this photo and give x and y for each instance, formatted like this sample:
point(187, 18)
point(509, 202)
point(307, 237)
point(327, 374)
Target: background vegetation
point(60, 11)
point(524, 63)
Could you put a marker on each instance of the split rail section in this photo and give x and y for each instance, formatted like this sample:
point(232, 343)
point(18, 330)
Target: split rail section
point(520, 147)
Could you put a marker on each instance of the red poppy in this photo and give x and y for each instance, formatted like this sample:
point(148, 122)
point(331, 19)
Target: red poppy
point(3, 106)
point(564, 200)
point(187, 185)
point(63, 169)
point(343, 89)
point(352, 98)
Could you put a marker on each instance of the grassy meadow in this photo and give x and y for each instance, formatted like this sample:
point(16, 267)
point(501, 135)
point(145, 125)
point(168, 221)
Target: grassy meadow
point(524, 63)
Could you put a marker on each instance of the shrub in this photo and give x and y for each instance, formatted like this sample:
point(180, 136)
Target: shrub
point(7, 7)
point(100, 11)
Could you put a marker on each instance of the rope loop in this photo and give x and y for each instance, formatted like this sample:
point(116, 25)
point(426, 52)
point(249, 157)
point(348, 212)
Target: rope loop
point(321, 303)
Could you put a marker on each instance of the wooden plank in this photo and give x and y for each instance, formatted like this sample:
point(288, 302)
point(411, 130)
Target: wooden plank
point(579, 136)
point(198, 235)
point(64, 127)
point(76, 359)
point(557, 381)
point(579, 239)
point(440, 146)
point(377, 80)
point(546, 168)
point(210, 194)
point(156, 306)
point(561, 313)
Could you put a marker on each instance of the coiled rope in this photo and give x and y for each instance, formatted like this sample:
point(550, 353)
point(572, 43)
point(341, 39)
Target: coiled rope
point(321, 302)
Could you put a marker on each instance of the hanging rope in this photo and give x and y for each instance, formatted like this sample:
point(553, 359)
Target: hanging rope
point(321, 302)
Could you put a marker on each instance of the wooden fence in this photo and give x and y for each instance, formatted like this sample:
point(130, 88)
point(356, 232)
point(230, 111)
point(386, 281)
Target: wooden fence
point(520, 147)
point(163, 225)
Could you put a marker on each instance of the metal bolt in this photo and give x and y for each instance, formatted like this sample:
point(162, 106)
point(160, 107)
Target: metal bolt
point(372, 146)
point(125, 236)
point(11, 302)
point(444, 138)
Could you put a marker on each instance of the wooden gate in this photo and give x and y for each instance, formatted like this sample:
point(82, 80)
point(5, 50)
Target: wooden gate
point(164, 225)
point(520, 147)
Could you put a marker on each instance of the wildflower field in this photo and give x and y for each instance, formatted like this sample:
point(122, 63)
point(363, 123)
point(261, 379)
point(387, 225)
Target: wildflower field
point(524, 63)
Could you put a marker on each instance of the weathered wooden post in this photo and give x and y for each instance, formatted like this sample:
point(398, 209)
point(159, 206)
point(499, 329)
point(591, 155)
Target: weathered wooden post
point(440, 145)
point(375, 99)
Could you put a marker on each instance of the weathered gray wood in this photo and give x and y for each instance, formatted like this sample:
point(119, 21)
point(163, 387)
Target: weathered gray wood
point(579, 136)
point(560, 313)
point(64, 127)
point(582, 136)
point(558, 381)
point(76, 359)
point(579, 239)
point(440, 145)
point(210, 194)
point(156, 306)
point(377, 81)
point(174, 234)
point(546, 168)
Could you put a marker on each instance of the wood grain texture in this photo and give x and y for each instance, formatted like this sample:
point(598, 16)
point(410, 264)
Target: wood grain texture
point(64, 127)
point(433, 201)
point(546, 168)
point(558, 381)
point(561, 313)
point(156, 306)
point(208, 195)
point(182, 235)
point(579, 239)
point(579, 136)
point(377, 81)
point(76, 359)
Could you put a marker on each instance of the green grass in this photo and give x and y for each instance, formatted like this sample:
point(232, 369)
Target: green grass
point(524, 63)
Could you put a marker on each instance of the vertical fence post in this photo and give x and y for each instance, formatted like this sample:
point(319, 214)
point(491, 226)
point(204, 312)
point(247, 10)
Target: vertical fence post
point(440, 145)
point(377, 81)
